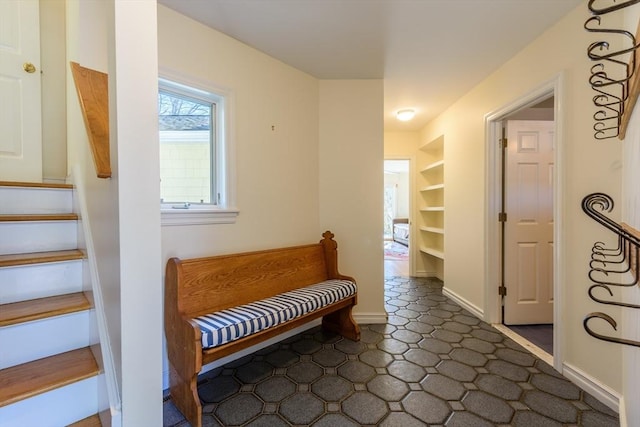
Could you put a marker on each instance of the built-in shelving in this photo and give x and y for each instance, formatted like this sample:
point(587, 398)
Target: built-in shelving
point(433, 252)
point(432, 207)
point(433, 187)
point(437, 230)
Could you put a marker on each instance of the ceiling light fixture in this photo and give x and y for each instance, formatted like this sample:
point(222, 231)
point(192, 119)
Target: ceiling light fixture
point(405, 115)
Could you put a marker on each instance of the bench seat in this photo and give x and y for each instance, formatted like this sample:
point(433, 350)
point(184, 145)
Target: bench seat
point(216, 306)
point(234, 323)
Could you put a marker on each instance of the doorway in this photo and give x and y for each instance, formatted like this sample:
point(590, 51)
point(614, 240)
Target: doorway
point(397, 208)
point(521, 299)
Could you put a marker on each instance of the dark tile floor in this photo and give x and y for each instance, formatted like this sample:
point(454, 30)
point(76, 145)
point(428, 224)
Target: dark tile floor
point(433, 363)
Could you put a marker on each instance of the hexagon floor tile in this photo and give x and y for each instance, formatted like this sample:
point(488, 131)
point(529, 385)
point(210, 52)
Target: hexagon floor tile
point(432, 364)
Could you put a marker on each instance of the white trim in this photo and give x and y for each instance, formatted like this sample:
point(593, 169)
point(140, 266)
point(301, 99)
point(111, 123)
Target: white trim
point(424, 273)
point(600, 391)
point(111, 379)
point(623, 412)
point(493, 313)
point(226, 179)
point(192, 216)
point(470, 307)
point(374, 318)
point(537, 351)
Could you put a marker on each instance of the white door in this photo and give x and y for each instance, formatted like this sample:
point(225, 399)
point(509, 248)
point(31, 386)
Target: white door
point(20, 110)
point(528, 232)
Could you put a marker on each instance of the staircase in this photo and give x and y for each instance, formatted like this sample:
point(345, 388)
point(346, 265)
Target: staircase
point(48, 373)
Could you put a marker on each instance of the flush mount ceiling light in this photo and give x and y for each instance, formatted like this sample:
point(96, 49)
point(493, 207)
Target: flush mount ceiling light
point(405, 115)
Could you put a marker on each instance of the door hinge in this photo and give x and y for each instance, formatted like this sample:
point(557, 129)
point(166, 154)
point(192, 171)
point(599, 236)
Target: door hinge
point(502, 291)
point(504, 142)
point(502, 217)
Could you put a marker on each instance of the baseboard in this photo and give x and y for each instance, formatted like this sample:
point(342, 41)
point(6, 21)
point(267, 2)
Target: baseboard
point(623, 413)
point(424, 273)
point(370, 318)
point(471, 308)
point(592, 386)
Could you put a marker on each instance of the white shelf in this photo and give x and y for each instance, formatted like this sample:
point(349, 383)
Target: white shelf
point(436, 230)
point(433, 209)
point(433, 145)
point(434, 165)
point(433, 252)
point(433, 187)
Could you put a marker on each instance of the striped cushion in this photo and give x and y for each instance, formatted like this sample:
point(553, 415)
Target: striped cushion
point(231, 324)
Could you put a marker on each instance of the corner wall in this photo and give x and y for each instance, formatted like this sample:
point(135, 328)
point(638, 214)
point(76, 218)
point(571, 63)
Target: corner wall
point(351, 183)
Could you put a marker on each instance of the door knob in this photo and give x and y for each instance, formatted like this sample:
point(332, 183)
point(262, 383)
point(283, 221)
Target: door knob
point(29, 67)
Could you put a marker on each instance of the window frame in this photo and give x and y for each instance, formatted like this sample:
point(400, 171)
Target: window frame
point(223, 211)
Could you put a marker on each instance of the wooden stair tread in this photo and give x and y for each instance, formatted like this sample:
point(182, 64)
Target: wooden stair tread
point(41, 308)
point(92, 421)
point(35, 184)
point(42, 375)
point(39, 217)
point(40, 257)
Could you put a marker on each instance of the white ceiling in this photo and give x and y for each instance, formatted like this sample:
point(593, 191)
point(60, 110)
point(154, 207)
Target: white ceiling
point(429, 52)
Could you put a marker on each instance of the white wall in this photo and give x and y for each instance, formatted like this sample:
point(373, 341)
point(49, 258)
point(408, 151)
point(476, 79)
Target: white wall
point(351, 182)
point(123, 211)
point(587, 166)
point(134, 131)
point(89, 48)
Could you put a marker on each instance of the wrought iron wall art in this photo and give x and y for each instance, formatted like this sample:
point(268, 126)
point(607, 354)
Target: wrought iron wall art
point(612, 77)
point(610, 266)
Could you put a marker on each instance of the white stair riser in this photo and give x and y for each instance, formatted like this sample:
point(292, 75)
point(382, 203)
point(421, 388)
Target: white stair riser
point(17, 200)
point(25, 237)
point(42, 338)
point(25, 282)
point(59, 407)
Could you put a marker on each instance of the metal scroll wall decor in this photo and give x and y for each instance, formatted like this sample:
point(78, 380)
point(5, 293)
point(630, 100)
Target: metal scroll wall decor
point(612, 75)
point(610, 266)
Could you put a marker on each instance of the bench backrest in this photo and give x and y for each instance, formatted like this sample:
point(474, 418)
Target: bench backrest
point(204, 285)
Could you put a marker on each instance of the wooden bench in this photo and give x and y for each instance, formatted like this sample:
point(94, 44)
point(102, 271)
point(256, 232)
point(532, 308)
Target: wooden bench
point(200, 286)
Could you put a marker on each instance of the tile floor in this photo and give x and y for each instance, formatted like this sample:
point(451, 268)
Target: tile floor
point(433, 363)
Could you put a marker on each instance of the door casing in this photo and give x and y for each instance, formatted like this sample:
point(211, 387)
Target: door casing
point(493, 182)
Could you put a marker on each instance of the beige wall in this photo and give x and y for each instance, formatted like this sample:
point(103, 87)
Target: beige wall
point(351, 183)
point(276, 170)
point(586, 166)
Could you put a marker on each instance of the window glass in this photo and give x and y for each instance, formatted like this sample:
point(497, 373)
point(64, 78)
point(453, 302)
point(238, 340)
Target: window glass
point(187, 125)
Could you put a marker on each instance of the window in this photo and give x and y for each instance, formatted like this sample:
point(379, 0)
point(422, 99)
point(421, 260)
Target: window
point(193, 169)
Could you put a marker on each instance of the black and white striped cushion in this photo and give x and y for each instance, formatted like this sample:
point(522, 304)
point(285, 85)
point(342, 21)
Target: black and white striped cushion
point(227, 325)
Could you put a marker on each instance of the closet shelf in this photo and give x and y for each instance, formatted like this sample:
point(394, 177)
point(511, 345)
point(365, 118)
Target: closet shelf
point(433, 145)
point(434, 165)
point(433, 252)
point(436, 230)
point(432, 209)
point(433, 187)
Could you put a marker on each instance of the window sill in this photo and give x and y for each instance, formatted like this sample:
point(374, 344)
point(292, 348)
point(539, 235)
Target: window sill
point(197, 216)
